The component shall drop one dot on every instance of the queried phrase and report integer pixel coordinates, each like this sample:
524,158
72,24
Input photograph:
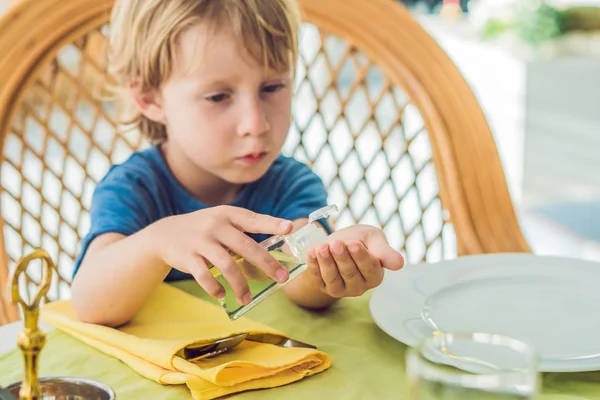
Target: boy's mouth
252,158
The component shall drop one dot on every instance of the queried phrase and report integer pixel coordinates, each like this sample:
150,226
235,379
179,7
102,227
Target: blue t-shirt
142,190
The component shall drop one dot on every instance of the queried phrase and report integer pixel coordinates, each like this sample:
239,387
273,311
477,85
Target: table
367,364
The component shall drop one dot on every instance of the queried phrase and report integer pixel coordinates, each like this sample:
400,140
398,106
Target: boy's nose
253,120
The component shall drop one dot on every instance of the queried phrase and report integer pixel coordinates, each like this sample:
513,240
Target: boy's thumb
379,247
252,222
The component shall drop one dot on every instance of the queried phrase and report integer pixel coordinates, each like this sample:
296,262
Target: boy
211,81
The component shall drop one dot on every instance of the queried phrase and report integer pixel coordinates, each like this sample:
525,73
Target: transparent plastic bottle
290,250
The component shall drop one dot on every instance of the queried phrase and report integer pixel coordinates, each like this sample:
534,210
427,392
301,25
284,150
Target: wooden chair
381,113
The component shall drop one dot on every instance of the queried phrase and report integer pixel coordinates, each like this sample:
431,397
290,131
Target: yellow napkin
153,342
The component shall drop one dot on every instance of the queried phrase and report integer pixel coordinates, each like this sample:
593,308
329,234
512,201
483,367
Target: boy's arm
116,277
119,272
118,267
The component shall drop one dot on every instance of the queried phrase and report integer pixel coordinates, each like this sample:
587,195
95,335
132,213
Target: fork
223,345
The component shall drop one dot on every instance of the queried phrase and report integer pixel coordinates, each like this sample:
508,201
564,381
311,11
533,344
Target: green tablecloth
367,364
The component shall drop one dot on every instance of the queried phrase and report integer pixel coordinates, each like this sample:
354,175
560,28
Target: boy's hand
352,261
192,242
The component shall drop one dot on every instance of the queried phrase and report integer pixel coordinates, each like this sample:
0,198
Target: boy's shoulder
286,178
289,190
143,166
287,168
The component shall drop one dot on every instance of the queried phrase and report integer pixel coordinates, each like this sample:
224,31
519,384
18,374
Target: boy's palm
352,261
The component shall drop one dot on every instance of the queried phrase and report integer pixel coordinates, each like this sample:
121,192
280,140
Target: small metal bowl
68,388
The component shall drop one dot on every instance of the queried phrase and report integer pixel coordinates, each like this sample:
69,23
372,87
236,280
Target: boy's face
224,113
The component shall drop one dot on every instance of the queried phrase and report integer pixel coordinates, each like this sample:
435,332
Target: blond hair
144,34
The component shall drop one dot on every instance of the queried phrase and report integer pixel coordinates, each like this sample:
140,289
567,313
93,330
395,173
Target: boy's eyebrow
199,84
202,83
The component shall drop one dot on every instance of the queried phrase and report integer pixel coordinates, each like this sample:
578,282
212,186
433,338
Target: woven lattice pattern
355,128
62,142
360,133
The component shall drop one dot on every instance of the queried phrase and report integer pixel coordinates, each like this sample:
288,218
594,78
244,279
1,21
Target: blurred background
533,65
535,68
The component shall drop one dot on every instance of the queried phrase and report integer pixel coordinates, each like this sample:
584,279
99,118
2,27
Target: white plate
552,303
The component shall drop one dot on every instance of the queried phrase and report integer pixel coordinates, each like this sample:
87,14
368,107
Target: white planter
544,113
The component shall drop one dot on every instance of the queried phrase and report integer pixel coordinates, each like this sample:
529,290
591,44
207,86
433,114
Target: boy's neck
202,185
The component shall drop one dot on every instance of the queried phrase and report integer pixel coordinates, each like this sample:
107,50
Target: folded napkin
153,344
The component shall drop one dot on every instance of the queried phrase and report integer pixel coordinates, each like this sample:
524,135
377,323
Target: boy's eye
217,98
273,88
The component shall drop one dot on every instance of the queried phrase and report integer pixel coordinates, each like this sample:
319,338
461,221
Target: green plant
537,23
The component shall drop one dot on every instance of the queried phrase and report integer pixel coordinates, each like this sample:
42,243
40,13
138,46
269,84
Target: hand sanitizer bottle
290,250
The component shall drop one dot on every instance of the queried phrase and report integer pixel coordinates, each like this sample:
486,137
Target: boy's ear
149,103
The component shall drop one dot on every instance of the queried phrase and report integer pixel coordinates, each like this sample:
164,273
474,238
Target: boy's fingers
224,262
198,267
313,268
244,246
369,266
353,279
329,271
249,221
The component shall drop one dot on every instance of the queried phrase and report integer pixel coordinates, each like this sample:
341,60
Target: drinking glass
465,366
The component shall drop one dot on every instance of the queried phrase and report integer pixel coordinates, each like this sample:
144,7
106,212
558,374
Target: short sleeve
301,192
120,204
